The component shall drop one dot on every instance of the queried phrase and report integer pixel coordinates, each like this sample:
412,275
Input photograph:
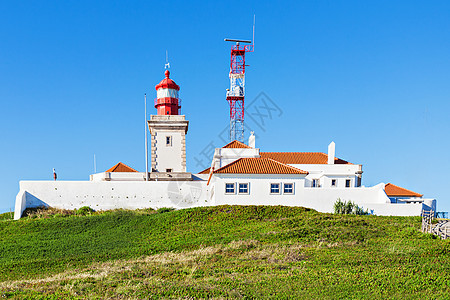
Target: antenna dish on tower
237,41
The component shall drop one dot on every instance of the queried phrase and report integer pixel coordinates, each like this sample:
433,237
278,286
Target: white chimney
331,153
251,140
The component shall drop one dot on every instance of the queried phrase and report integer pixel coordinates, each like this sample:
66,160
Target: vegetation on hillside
6,216
348,207
221,252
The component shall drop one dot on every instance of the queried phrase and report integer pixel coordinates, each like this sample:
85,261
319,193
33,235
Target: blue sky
372,76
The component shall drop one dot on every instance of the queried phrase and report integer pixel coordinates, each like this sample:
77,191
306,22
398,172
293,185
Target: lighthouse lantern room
167,101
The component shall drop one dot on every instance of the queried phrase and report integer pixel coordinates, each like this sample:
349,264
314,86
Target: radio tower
236,93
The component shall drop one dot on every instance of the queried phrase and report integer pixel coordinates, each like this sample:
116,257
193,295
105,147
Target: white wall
396,209
326,173
21,203
335,169
104,195
121,176
259,188
374,199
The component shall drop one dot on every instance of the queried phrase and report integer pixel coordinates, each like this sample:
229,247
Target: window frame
315,180
279,188
292,188
348,183
239,188
168,141
234,188
333,182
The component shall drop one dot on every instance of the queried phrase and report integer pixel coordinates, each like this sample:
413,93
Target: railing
441,228
167,101
442,214
427,218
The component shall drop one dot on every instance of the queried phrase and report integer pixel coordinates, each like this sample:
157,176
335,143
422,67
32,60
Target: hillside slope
223,252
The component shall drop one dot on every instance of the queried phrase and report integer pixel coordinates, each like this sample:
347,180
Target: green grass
221,252
6,216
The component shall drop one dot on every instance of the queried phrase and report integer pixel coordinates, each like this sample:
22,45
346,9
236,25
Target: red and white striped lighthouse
167,101
168,131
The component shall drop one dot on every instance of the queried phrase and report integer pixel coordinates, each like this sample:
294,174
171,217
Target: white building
239,175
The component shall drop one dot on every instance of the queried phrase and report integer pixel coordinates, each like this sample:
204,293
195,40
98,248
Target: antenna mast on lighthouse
236,93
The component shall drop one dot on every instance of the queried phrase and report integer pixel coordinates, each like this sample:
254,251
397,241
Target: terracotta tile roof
393,190
205,171
302,158
236,144
258,166
121,167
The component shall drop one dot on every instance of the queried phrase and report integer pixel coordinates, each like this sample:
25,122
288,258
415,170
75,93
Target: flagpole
146,139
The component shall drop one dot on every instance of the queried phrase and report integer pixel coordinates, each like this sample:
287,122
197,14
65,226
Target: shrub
85,210
46,212
164,210
348,207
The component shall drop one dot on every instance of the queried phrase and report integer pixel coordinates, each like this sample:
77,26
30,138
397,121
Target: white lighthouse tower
168,134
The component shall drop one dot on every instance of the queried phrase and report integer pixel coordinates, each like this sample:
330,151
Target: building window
229,188
274,188
243,188
168,170
333,182
168,141
315,183
348,182
288,188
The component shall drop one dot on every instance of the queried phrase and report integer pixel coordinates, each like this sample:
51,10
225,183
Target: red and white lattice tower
236,93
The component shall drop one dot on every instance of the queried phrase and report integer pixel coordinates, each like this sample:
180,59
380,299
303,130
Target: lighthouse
168,129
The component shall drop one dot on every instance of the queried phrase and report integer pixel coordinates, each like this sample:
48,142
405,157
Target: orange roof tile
258,166
205,171
393,190
121,167
302,158
236,144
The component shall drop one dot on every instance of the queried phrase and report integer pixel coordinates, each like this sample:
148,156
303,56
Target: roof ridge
302,157
296,169
236,142
114,168
262,159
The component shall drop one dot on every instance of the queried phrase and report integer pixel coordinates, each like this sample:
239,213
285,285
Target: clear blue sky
373,76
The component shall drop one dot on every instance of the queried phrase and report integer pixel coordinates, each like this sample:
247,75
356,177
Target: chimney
251,139
331,153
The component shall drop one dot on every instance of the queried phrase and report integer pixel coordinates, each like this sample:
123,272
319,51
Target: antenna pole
253,40
146,138
95,165
167,64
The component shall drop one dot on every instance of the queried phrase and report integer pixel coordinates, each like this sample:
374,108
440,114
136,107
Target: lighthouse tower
168,133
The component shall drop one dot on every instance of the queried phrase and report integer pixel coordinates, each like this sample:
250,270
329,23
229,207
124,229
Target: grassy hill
221,252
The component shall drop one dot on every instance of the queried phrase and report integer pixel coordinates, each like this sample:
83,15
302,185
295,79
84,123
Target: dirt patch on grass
156,267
